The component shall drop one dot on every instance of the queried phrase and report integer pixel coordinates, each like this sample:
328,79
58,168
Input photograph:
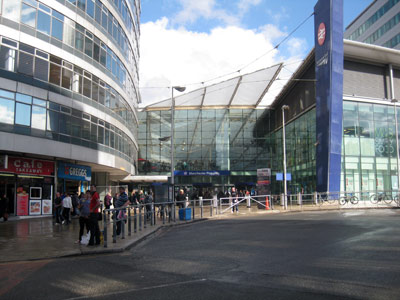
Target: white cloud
207,9
244,5
181,57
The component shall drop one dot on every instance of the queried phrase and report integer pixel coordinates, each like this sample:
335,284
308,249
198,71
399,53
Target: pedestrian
107,202
67,205
180,199
134,197
84,212
58,208
4,207
122,201
234,197
94,209
75,203
149,202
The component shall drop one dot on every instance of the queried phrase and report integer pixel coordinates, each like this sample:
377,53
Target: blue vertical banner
328,24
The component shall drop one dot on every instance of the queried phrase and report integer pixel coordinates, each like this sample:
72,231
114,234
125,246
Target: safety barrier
138,216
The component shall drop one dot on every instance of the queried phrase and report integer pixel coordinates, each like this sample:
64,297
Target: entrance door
7,187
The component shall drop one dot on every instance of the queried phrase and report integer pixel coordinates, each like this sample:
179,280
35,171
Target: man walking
122,201
94,209
67,205
57,208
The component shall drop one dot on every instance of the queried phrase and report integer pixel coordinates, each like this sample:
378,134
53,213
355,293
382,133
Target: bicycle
375,198
348,198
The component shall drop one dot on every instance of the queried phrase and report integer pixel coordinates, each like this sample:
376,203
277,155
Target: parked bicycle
381,197
348,198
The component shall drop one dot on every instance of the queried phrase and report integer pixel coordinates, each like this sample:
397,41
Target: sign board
328,26
28,166
74,172
263,181
202,173
279,176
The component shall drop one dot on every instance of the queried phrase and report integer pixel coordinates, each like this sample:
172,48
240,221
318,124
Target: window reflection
43,22
11,10
23,114
28,15
39,117
6,111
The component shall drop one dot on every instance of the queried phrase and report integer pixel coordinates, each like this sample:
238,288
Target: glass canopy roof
243,91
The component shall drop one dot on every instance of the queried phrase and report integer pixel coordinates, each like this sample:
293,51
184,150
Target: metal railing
135,218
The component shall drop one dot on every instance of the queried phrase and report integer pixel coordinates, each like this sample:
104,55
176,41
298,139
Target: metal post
144,216
194,206
152,214
123,227
129,222
134,219
284,153
172,143
114,226
201,207
140,217
211,208
105,229
163,213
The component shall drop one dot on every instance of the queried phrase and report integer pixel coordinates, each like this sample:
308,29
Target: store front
73,178
28,184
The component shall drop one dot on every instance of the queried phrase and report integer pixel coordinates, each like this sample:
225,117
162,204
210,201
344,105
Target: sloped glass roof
243,91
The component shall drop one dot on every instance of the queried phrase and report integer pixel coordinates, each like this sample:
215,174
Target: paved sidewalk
39,238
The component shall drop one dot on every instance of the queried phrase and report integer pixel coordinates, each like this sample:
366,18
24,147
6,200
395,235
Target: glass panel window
55,74
69,32
96,52
39,117
8,59
86,130
11,10
23,114
90,8
82,4
67,78
41,69
43,22
23,98
7,111
57,29
88,47
25,65
28,15
87,87
79,37
39,102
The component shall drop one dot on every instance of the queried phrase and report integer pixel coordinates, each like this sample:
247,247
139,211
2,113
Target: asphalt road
313,255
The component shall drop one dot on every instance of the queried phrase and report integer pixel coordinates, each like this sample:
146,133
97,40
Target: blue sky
194,40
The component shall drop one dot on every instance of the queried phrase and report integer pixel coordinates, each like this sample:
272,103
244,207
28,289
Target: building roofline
359,16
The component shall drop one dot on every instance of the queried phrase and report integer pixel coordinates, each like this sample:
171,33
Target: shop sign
74,172
202,173
29,166
22,203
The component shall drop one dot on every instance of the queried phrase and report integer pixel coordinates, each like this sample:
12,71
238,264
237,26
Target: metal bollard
299,199
145,216
315,198
163,213
152,214
140,217
105,230
194,206
129,222
134,219
123,228
211,209
114,226
201,207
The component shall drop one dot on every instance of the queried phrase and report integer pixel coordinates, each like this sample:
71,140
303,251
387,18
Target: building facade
68,96
378,24
220,148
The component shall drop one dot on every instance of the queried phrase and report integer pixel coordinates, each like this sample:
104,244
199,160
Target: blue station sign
202,173
74,172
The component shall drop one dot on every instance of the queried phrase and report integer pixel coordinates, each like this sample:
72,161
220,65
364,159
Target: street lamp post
284,107
179,89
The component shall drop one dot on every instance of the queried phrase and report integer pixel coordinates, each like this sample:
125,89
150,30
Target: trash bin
185,214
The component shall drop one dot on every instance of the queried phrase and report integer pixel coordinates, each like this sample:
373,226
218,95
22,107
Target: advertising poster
22,202
35,207
46,207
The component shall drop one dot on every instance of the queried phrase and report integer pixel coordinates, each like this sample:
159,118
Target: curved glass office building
68,97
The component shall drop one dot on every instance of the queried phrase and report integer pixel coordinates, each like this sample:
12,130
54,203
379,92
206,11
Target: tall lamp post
179,89
284,107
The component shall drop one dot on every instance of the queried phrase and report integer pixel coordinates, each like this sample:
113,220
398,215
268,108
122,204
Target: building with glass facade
224,146
68,96
378,24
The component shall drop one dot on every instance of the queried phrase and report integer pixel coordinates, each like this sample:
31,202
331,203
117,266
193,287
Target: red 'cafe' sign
29,166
